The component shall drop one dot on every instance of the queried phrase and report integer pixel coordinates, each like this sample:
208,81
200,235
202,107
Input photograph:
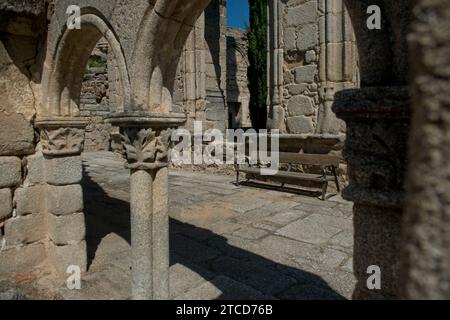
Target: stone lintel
143,119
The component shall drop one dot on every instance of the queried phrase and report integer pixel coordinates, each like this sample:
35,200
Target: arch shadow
265,278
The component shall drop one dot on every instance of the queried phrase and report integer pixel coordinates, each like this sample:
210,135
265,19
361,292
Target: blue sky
238,13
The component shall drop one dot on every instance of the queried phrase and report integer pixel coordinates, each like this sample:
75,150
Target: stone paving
226,242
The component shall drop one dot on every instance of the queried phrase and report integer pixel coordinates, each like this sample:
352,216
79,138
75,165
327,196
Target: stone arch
162,34
67,62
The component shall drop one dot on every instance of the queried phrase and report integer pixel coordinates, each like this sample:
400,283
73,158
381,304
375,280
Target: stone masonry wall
319,59
238,94
215,38
22,217
200,86
95,102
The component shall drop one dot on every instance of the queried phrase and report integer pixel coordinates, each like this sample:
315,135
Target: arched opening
163,33
62,119
63,80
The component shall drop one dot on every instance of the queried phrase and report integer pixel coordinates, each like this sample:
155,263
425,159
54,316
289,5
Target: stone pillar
337,62
426,225
146,139
327,122
62,143
377,129
274,66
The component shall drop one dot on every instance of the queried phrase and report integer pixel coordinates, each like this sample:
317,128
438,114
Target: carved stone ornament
62,141
146,149
62,136
375,150
146,137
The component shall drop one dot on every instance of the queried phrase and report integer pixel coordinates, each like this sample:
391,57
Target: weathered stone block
66,230
22,259
63,170
300,106
307,37
305,74
16,135
30,200
310,56
65,200
35,170
300,125
302,14
215,114
5,204
290,37
10,170
25,230
71,255
297,89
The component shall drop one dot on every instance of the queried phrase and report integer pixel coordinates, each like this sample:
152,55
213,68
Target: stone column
62,142
327,122
146,139
377,129
426,225
274,66
337,62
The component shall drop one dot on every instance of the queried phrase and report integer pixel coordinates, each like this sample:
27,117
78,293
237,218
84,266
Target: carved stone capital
62,141
146,137
146,149
62,137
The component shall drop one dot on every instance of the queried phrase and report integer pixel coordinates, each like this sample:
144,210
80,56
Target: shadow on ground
106,214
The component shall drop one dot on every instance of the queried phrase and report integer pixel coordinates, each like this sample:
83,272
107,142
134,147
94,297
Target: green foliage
95,62
257,55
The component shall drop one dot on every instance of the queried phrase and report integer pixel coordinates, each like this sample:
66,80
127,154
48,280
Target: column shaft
161,235
377,129
141,201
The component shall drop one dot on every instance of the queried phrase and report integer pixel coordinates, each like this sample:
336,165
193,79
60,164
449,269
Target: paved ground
226,242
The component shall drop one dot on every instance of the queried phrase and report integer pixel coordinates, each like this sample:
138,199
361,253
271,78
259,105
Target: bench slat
309,159
286,174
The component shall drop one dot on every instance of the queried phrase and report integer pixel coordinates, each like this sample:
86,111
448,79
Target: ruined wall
318,57
215,37
95,101
200,86
238,93
22,217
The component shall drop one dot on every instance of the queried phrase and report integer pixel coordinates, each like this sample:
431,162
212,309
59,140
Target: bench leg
324,190
338,187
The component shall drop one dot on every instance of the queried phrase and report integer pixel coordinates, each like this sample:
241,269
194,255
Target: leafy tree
257,55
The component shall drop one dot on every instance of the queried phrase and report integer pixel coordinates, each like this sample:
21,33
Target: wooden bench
323,161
